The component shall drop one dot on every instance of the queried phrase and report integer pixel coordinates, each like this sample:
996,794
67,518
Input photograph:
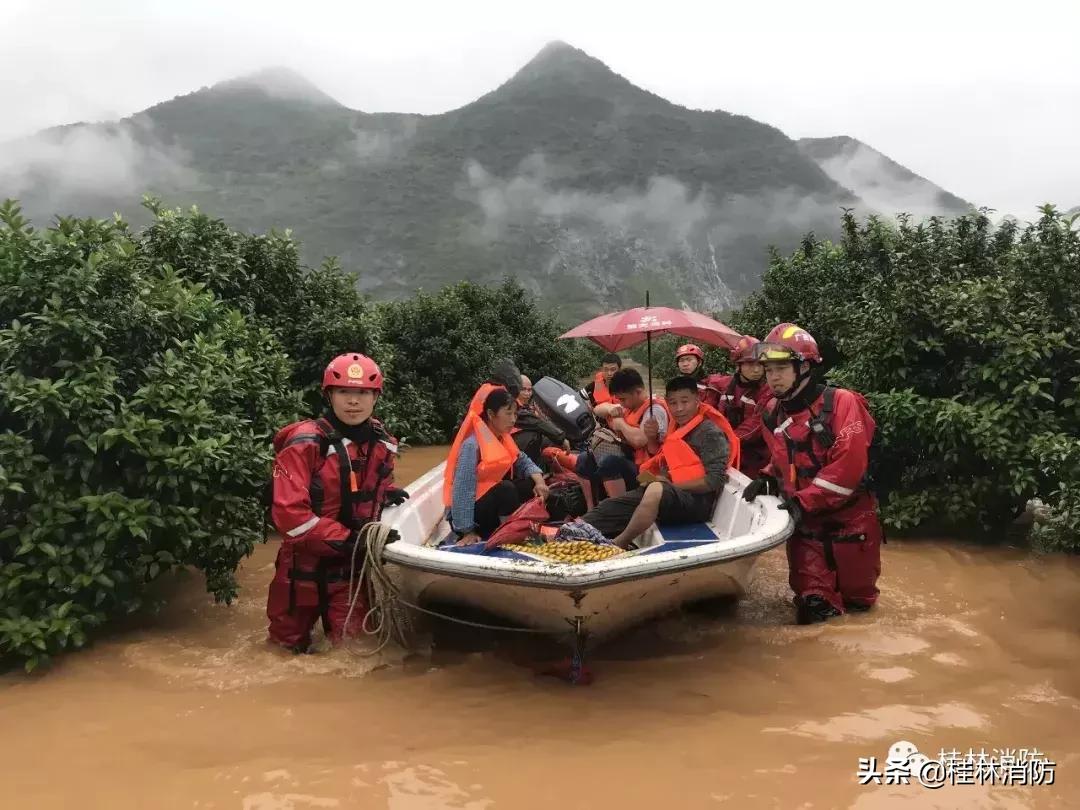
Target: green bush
963,335
135,415
315,313
433,349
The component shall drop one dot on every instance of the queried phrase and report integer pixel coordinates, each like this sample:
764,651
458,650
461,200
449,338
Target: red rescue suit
835,551
320,497
742,403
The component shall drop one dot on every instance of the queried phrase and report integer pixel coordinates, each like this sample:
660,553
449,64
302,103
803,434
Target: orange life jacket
678,456
497,454
641,454
600,392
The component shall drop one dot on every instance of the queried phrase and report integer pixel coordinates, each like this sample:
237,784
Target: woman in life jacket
819,439
487,476
690,466
331,476
740,397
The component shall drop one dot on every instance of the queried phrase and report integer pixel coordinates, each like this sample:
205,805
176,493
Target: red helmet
353,371
744,349
788,342
690,348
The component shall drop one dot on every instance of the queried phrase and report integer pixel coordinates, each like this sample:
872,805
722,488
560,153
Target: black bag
566,501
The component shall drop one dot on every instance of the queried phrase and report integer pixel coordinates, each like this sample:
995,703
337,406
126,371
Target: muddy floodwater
969,648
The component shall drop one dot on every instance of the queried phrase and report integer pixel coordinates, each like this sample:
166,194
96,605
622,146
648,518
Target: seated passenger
691,469
626,417
533,432
487,477
596,392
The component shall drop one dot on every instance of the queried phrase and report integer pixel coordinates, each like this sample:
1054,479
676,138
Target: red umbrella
621,330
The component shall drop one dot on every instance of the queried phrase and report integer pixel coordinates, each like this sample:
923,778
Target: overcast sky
982,98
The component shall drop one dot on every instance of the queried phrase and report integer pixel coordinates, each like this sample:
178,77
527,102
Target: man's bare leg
644,515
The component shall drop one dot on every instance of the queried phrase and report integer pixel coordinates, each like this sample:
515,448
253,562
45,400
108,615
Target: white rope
385,618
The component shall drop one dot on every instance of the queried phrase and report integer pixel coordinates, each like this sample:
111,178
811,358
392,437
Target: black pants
612,515
499,502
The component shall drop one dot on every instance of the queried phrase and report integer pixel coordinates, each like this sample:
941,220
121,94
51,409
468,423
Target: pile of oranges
568,551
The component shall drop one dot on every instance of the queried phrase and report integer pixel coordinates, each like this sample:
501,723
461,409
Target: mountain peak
560,60
277,82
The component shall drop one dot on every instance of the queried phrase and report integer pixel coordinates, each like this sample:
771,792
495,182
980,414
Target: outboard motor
564,406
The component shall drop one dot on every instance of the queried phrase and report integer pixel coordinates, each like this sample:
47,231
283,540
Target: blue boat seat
687,531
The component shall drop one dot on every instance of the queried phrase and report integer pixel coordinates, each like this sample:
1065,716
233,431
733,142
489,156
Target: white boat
593,601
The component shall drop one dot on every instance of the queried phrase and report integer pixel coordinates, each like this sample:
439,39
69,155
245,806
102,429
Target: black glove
792,505
395,496
346,546
763,485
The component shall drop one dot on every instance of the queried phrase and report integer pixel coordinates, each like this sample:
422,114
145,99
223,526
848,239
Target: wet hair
683,382
625,380
496,401
612,358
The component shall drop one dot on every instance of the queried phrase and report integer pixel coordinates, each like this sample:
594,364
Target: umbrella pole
648,351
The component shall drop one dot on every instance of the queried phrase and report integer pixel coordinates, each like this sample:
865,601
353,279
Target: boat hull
601,612
675,565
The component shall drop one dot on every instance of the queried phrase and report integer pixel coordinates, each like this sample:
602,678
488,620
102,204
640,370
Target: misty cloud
662,231
378,144
91,159
880,184
664,210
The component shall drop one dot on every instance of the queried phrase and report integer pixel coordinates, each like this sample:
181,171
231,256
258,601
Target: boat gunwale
573,580
561,576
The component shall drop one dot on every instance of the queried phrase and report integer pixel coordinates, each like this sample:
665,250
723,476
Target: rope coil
385,618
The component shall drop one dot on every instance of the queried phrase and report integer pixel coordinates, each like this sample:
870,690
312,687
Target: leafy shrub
963,336
135,416
433,349
316,314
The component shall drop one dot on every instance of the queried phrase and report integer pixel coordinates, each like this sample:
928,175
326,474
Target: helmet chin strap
801,379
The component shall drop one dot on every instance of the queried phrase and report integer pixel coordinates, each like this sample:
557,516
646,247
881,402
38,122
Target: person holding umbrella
690,467
622,330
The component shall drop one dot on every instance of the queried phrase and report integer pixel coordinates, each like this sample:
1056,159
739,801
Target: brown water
970,647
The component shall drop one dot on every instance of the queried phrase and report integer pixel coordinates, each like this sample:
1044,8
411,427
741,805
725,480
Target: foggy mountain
586,188
883,185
